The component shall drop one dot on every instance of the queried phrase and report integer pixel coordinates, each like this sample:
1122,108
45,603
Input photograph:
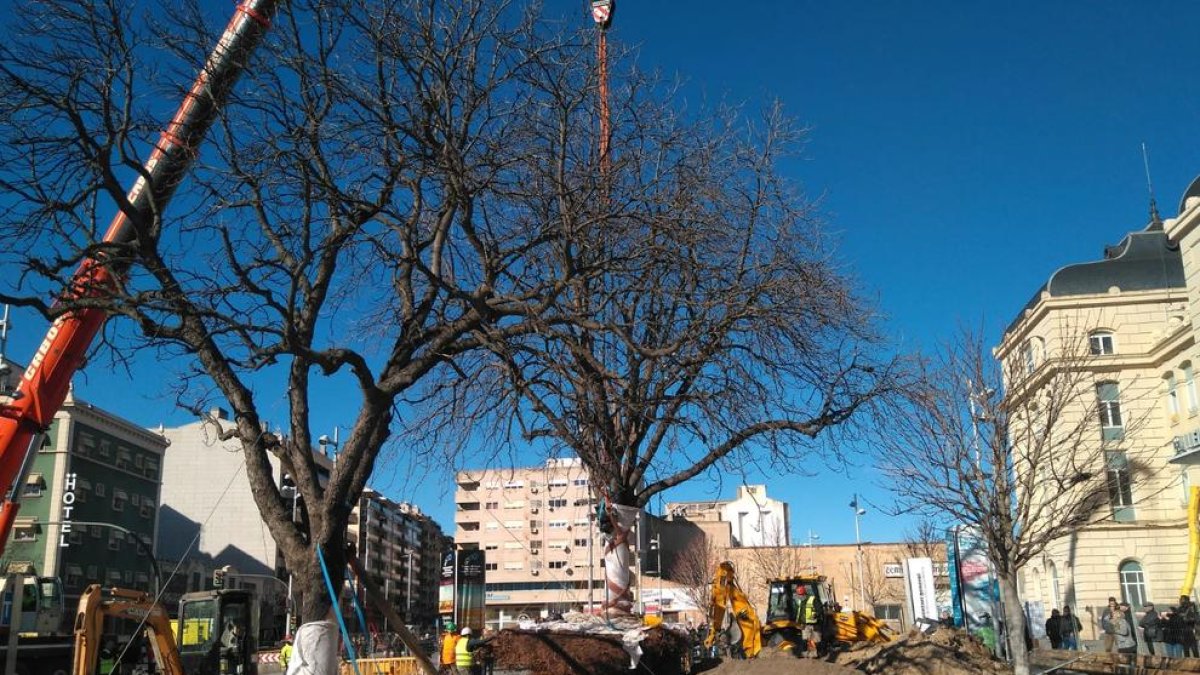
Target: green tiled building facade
90,504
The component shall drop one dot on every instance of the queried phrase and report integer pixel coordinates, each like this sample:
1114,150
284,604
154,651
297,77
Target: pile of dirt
772,661
946,652
547,653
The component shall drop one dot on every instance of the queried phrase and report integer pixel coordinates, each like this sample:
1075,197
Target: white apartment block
1129,314
754,518
535,525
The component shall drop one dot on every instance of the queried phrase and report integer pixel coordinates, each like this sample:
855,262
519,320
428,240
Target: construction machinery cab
786,596
42,610
790,601
217,632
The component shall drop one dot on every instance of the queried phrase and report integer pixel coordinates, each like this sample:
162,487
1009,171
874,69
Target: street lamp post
812,538
408,590
656,546
862,593
287,622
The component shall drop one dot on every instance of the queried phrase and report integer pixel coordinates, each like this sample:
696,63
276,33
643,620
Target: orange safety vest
448,649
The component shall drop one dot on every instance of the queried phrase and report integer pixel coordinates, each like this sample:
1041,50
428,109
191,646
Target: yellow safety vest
285,655
808,610
462,657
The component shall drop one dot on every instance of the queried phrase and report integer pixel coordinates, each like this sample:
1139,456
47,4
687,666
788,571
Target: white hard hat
466,631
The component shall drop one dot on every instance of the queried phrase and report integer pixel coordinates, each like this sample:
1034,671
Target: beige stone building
1129,316
881,592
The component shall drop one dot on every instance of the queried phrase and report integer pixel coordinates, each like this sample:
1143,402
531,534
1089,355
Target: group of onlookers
1173,630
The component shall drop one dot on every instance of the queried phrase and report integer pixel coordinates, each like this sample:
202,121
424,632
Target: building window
580,482
1030,353
1120,487
491,506
1172,389
124,459
1108,395
887,612
514,485
520,504
25,532
147,508
114,540
1055,594
491,547
1133,583
489,567
558,482
96,530
151,469
1189,384
34,484
581,542
556,524
514,524
1100,343
556,503
99,489
557,564
119,499
514,565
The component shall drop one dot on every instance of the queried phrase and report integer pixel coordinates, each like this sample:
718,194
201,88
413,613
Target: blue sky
962,153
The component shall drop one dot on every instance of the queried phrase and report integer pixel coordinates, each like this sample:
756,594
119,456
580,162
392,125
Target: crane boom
44,384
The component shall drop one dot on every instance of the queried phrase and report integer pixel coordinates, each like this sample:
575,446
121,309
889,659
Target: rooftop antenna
1155,219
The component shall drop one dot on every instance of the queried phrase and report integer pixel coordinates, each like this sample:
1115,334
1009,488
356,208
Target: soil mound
945,652
548,653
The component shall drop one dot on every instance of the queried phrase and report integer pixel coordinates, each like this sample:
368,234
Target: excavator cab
216,632
790,597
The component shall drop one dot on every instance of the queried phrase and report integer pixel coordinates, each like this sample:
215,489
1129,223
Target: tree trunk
308,582
1014,620
618,554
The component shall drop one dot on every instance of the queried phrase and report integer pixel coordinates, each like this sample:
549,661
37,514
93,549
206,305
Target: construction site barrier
396,665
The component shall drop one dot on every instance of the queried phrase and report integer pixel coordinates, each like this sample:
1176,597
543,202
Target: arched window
1133,583
1100,343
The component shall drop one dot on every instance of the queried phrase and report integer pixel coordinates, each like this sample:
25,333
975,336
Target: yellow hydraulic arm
97,603
727,594
1189,577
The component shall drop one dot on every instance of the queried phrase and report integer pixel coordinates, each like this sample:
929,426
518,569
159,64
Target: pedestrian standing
1071,627
1151,631
449,640
1054,629
1187,612
1172,625
1106,625
1122,633
1130,619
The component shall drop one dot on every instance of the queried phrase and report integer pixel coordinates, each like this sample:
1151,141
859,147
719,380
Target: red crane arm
43,387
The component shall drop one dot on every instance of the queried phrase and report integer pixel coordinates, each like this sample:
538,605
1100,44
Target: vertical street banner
918,581
976,583
956,608
471,589
446,587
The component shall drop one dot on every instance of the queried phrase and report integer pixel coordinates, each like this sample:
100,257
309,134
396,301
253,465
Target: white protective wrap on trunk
618,597
315,649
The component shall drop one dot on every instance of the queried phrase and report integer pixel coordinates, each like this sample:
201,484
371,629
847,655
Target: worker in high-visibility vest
464,659
449,640
808,615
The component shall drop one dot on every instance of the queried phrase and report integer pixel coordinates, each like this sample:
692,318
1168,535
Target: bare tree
722,331
694,568
925,540
1019,469
383,179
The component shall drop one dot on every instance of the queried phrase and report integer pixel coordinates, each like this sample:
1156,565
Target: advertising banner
973,584
471,589
918,577
446,588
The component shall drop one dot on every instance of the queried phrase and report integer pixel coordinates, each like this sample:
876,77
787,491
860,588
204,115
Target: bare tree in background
723,333
382,191
694,569
1019,470
925,540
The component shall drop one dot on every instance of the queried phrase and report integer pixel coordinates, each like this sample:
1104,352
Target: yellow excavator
802,612
728,598
798,602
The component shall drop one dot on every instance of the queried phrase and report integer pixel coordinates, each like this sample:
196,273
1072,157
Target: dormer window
1100,343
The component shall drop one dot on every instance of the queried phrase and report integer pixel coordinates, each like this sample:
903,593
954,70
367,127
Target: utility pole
812,538
862,593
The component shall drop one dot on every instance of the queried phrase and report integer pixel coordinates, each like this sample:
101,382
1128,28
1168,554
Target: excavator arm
727,596
97,603
43,387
